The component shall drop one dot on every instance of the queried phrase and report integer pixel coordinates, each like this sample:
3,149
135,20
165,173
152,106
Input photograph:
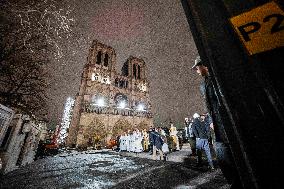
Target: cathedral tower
109,103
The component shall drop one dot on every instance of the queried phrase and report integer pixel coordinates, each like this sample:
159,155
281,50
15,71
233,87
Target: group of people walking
155,140
200,130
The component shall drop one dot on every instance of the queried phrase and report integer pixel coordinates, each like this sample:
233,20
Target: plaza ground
110,169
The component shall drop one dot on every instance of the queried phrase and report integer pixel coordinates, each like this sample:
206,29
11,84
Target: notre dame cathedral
109,103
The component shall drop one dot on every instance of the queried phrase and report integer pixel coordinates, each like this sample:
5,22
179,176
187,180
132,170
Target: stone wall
106,126
23,142
6,115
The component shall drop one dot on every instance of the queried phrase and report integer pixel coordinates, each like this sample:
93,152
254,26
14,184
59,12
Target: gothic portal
109,103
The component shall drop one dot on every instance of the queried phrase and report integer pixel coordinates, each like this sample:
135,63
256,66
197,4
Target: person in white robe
165,147
127,141
138,141
131,141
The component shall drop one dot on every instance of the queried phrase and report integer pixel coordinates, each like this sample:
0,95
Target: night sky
155,30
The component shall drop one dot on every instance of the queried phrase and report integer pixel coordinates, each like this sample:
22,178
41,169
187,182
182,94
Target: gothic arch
121,126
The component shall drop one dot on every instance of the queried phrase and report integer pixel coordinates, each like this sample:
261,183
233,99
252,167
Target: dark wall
249,86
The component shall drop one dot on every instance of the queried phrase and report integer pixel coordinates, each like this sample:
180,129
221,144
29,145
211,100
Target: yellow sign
261,29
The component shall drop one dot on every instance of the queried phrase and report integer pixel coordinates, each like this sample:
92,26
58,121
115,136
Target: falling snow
156,31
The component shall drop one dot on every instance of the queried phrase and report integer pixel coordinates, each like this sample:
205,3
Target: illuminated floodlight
122,105
100,102
140,107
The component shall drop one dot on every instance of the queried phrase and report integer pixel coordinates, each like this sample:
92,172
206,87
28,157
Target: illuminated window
99,100
95,76
140,106
121,101
106,80
143,87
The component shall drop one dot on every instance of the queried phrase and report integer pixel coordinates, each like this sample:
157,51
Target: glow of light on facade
100,102
95,77
107,81
140,107
143,87
122,105
66,119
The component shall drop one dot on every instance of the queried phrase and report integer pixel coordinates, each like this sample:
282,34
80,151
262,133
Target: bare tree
30,32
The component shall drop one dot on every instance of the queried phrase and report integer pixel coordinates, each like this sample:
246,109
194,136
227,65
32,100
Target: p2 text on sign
261,29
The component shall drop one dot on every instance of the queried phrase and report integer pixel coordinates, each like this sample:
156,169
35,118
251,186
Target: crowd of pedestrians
156,141
205,133
199,132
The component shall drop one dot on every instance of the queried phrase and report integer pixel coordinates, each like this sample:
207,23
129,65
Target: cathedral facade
109,103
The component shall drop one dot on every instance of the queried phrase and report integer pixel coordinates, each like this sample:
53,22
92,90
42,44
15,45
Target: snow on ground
107,169
95,161
90,169
104,162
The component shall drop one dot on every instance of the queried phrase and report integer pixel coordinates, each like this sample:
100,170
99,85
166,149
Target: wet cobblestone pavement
93,169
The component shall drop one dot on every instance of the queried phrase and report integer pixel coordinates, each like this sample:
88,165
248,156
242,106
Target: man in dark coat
220,120
157,144
202,135
117,143
151,139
